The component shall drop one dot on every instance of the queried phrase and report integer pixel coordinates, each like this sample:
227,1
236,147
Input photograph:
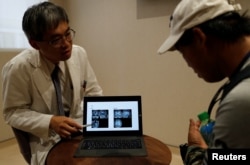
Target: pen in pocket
84,85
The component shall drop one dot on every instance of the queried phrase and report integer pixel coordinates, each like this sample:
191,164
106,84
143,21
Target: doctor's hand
64,126
194,136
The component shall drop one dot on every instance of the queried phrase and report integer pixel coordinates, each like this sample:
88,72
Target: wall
121,38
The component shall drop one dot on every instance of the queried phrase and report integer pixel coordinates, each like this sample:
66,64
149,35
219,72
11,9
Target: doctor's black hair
40,18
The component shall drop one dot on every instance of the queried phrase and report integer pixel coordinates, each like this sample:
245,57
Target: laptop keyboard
111,144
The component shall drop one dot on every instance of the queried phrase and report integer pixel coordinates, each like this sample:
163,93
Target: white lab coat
27,92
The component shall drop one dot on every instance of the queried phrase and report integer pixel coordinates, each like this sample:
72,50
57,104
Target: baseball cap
190,13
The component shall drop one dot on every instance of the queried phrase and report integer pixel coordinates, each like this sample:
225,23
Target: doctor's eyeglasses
57,41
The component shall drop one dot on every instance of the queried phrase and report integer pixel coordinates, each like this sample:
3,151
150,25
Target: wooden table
62,154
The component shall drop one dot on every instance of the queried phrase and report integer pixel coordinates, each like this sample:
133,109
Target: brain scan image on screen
100,118
122,118
117,123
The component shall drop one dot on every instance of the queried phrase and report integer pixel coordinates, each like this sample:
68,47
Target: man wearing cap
214,39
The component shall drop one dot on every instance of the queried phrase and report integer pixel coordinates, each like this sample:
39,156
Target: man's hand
194,135
64,126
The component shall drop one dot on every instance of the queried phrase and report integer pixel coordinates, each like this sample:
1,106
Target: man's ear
199,36
33,43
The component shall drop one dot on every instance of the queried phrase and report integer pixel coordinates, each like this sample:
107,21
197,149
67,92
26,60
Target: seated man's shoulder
23,58
240,94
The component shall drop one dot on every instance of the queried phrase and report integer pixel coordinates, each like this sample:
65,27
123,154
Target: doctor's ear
33,43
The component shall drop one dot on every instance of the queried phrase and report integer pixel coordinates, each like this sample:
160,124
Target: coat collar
43,82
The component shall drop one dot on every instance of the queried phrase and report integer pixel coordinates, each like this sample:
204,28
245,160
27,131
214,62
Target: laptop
115,127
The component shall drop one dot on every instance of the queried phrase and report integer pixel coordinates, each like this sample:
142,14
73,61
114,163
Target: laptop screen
114,115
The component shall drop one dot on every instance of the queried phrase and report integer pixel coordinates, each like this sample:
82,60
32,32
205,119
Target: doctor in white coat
29,98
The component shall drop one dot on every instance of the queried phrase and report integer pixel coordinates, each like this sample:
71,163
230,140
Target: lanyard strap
237,77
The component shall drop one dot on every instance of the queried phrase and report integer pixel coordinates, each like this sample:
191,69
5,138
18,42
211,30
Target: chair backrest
23,143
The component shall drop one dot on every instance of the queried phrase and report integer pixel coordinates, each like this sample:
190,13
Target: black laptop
115,127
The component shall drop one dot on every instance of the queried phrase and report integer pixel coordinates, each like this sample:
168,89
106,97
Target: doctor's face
57,43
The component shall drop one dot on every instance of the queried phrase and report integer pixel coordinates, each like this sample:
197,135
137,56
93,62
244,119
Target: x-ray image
122,118
100,118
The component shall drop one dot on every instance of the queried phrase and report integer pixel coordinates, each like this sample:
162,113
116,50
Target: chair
23,143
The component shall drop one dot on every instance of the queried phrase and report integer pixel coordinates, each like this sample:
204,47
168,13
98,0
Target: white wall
121,38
